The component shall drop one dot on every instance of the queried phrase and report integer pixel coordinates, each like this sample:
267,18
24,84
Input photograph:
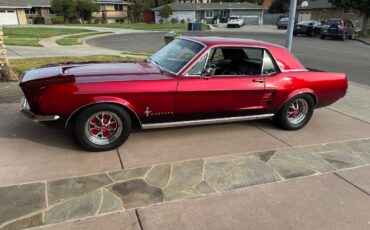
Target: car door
224,94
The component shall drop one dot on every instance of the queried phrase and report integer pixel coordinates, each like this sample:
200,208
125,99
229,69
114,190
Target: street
350,57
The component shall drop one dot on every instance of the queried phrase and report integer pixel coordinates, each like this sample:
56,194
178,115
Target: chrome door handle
258,80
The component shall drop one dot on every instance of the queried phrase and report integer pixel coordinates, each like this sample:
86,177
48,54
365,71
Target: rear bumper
27,112
327,34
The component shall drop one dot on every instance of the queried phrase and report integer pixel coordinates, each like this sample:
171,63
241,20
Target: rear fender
299,92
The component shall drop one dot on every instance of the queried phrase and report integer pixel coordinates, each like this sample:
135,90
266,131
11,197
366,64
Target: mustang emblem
147,112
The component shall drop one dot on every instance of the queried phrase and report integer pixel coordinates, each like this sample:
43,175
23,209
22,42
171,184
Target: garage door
8,17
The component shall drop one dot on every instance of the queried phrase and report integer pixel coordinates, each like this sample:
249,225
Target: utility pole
289,34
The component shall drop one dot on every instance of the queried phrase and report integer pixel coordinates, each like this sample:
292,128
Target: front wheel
102,127
295,113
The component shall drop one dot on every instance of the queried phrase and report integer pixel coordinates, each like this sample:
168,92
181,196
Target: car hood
97,72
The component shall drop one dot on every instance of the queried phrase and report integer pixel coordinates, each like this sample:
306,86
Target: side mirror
209,71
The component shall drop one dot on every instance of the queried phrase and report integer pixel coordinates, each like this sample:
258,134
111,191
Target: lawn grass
22,42
40,32
75,39
141,26
21,65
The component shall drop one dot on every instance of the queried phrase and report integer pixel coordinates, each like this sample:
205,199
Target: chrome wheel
103,128
297,111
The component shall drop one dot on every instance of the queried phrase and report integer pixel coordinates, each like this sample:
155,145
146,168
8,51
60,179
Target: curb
362,41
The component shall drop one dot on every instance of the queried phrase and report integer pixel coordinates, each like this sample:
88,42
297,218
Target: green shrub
57,20
39,20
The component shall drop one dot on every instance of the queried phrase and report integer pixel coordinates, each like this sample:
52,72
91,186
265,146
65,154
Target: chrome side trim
205,121
294,70
112,102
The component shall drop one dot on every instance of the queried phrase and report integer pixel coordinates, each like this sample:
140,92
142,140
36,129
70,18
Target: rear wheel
295,113
322,36
102,127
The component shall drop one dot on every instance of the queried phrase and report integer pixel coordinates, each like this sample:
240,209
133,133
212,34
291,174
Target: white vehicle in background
235,21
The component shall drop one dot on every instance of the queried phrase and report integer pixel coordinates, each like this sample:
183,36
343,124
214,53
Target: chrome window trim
196,62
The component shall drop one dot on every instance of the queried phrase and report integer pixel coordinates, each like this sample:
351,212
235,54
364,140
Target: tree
85,8
66,8
165,12
6,73
279,6
362,6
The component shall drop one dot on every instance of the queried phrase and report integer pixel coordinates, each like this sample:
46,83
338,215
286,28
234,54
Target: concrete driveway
32,152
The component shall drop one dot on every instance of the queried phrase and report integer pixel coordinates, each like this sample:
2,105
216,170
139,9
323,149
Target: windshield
233,18
284,19
174,56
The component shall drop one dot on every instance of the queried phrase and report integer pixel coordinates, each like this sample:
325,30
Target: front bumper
26,111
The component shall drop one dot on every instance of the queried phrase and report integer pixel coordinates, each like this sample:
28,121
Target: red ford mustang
190,81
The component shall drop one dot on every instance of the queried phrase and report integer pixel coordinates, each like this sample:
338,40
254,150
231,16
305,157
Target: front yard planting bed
141,26
21,65
22,42
40,32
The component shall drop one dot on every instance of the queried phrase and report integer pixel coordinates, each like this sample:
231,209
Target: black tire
295,34
120,114
322,37
281,117
343,37
310,33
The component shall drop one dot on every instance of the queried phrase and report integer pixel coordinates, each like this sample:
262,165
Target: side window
253,53
217,55
268,65
198,68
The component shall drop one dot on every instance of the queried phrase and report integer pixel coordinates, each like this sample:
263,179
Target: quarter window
268,65
197,69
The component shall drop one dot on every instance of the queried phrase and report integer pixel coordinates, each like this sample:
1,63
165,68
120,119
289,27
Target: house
321,10
111,11
22,12
191,12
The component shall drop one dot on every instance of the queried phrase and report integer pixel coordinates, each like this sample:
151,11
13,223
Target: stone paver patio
67,199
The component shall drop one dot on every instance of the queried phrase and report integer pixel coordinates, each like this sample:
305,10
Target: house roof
317,4
47,3
177,6
24,3
117,2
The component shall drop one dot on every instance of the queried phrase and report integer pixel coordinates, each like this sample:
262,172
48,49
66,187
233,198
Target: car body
282,23
190,81
309,28
338,28
235,21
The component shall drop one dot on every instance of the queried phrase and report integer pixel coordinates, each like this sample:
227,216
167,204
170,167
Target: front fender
104,99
